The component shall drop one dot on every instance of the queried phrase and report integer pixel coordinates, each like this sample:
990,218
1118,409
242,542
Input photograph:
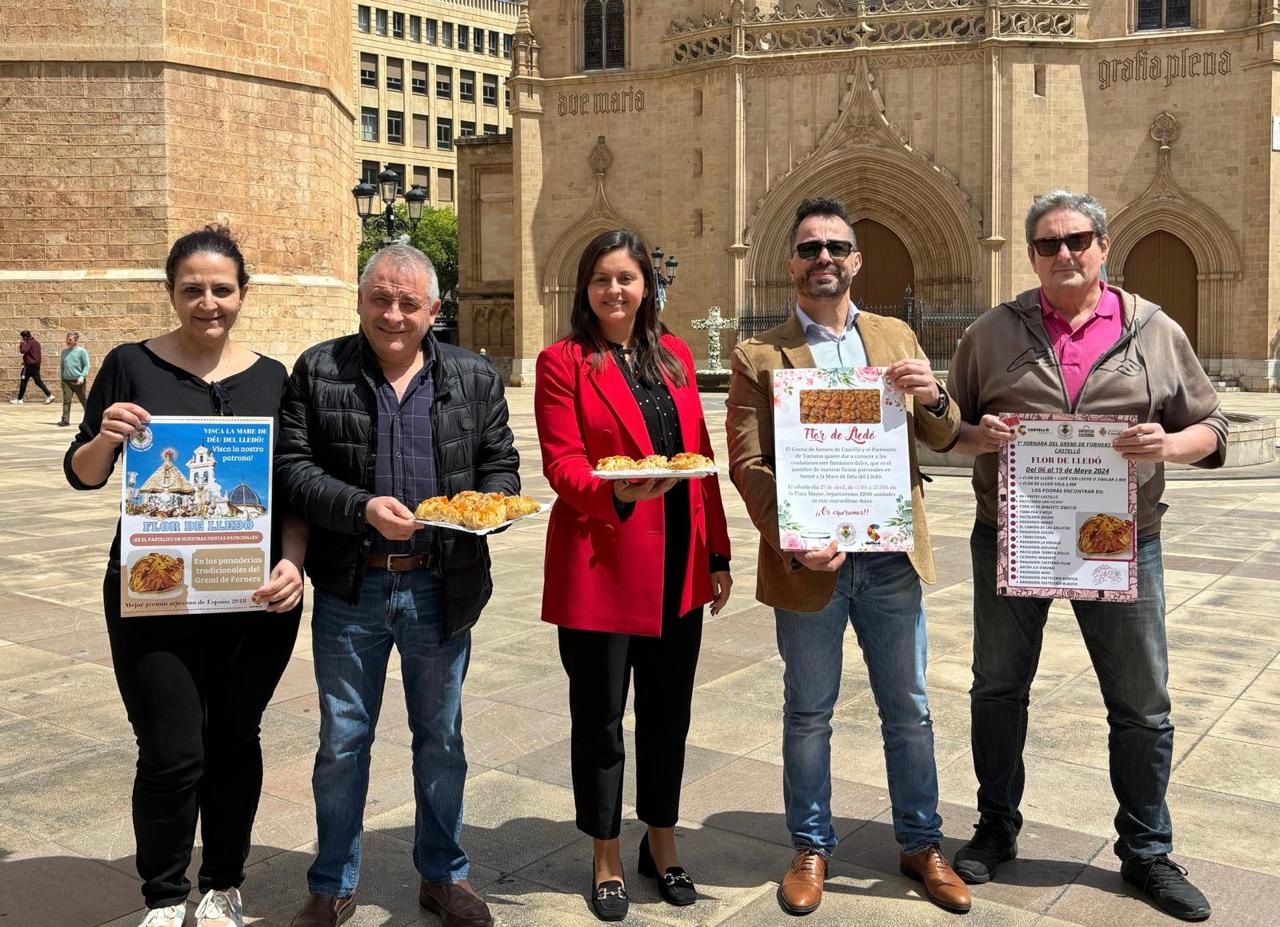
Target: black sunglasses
220,398
808,250
1075,242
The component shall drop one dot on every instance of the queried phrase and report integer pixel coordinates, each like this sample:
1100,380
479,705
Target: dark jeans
71,388
195,688
31,372
600,666
1126,643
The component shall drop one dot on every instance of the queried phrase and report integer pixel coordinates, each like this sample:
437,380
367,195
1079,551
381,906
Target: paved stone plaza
66,751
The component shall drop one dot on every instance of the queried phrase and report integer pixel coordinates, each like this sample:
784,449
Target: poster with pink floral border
1067,504
842,460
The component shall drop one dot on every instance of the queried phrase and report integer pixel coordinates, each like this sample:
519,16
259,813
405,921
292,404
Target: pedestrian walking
73,369
29,348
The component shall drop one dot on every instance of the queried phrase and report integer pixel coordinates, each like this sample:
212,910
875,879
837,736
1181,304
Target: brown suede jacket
781,582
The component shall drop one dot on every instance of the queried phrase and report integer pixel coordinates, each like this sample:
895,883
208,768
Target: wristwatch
941,405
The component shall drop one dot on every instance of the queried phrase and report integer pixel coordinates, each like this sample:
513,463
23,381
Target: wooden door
887,269
1163,269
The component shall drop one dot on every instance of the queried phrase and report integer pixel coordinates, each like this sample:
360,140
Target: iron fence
937,328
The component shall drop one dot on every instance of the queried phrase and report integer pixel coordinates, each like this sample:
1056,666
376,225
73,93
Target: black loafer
674,885
609,899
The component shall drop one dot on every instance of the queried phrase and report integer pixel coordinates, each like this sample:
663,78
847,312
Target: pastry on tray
517,506
687,460
617,462
437,508
476,510
653,462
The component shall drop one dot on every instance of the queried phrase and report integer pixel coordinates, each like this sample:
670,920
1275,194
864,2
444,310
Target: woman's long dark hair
651,360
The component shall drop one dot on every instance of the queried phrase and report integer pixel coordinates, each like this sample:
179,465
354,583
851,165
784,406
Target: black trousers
600,666
31,372
195,688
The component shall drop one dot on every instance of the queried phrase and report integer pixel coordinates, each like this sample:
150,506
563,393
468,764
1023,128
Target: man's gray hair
1082,203
75,335
403,255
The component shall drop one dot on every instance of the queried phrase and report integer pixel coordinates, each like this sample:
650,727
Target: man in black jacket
372,424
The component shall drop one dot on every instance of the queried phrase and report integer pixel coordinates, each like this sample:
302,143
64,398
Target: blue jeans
352,644
1126,642
880,594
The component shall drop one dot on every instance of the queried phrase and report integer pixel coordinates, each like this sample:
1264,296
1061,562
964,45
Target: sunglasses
221,399
1075,242
808,250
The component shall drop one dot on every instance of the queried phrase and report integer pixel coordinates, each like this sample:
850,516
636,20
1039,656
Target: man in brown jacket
817,594
1078,345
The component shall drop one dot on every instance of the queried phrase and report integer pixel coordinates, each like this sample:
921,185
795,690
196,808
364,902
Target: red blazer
602,573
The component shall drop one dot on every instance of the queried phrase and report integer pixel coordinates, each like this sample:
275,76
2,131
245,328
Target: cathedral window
604,34
1163,14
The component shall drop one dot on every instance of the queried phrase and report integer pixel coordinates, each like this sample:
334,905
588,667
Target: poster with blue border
195,515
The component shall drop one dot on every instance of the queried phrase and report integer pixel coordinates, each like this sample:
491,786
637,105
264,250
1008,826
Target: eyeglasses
808,250
221,399
1075,242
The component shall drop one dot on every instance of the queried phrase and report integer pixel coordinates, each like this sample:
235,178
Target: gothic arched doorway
1161,268
887,268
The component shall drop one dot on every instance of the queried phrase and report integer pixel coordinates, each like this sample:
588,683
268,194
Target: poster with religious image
195,515
1067,504
842,460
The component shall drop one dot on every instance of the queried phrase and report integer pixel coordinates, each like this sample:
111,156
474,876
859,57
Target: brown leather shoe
801,888
455,903
324,911
941,885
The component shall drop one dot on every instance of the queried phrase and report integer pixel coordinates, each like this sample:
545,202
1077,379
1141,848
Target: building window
419,77
368,70
395,74
604,42
422,178
444,133
467,86
1163,14
493,43
415,28
397,25
369,172
464,37
490,90
432,31
444,185
446,39
506,96
395,127
1038,80
380,22
466,129
506,45
369,123
398,170
363,14
490,129
477,41
420,130
444,82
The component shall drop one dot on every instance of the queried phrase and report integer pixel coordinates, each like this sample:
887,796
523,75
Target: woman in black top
194,686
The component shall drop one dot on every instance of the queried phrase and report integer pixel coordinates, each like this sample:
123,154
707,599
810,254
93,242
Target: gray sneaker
992,844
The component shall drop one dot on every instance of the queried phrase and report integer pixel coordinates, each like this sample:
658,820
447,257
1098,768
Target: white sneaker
165,917
220,909
16,402
48,399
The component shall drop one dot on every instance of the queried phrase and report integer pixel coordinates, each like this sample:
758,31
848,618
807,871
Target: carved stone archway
1165,206
867,162
559,274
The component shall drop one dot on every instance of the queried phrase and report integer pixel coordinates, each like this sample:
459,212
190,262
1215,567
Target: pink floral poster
842,460
1067,503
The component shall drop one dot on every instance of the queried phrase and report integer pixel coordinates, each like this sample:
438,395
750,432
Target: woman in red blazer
629,565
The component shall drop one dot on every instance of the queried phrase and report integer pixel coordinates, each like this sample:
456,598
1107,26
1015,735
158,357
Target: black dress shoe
609,899
674,885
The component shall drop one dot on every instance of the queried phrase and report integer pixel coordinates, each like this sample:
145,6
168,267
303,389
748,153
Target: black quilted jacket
325,463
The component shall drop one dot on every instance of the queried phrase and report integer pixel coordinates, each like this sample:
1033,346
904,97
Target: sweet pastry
437,508
617,462
687,460
482,513
653,462
1105,534
516,506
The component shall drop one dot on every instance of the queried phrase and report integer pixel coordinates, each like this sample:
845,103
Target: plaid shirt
404,459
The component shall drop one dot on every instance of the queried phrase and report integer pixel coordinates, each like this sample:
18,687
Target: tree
436,236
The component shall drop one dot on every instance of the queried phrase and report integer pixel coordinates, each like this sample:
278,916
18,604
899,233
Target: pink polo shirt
1078,350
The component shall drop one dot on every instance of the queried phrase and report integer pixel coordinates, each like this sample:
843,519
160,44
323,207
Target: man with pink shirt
1079,345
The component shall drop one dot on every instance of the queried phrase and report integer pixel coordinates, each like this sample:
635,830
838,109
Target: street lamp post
660,281
391,224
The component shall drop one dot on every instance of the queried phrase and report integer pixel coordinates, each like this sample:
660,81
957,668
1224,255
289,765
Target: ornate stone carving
526,53
713,325
1164,129
601,158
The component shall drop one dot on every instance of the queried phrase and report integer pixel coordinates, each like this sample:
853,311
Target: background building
123,126
702,124
429,72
